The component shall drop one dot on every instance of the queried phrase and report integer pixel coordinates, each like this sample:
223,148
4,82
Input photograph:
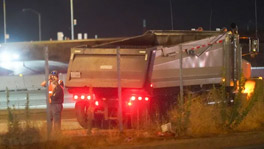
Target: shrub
17,135
198,118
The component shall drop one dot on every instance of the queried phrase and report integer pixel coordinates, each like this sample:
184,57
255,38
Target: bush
198,118
204,120
17,135
254,111
20,136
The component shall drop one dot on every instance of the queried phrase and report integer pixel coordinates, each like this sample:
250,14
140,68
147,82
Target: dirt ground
38,114
38,118
246,140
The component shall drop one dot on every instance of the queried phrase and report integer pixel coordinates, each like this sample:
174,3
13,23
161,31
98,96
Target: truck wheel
81,113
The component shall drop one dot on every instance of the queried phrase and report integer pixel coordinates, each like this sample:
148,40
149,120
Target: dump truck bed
97,67
203,62
154,57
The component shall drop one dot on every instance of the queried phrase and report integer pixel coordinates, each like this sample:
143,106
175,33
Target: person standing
54,76
57,98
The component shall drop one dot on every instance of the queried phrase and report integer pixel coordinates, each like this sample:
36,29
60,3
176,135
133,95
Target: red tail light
96,103
139,98
129,103
146,98
133,98
89,97
75,97
82,97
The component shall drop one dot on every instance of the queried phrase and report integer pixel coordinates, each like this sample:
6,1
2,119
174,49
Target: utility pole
144,23
39,23
4,12
211,16
39,19
171,12
256,19
72,27
210,23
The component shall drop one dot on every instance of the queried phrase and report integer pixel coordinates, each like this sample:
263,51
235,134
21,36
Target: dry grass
255,118
26,136
21,136
204,120
98,138
197,118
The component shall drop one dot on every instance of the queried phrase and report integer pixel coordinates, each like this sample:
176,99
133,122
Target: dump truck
153,66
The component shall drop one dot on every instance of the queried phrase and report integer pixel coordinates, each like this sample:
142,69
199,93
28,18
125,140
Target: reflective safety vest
50,91
51,88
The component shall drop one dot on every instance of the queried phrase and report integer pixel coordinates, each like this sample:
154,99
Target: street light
4,13
256,18
39,19
171,12
72,27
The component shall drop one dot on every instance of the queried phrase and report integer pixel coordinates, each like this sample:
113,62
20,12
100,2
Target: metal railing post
120,117
46,54
181,81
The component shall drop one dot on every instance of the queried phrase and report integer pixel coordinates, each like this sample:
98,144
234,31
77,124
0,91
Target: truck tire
81,108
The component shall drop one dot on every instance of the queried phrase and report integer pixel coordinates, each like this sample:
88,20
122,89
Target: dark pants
55,115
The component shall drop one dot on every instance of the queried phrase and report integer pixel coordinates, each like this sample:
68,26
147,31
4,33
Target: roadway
37,99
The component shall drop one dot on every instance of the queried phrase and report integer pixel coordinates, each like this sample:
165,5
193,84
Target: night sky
115,18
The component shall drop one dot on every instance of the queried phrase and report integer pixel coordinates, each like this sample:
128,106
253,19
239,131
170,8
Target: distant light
129,103
82,97
21,75
15,56
146,98
139,98
260,78
7,57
